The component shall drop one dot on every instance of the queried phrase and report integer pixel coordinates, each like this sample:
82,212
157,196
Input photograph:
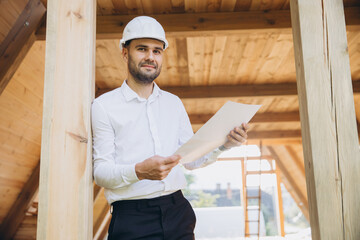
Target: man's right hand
156,167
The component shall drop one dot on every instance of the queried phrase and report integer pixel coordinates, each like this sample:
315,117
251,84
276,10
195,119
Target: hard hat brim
123,41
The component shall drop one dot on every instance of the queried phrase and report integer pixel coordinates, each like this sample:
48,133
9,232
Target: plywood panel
18,156
110,67
196,48
255,58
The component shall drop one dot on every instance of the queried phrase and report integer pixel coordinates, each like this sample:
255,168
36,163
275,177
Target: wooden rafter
210,24
298,196
101,214
104,228
275,137
17,212
19,40
279,204
249,90
267,157
295,134
299,162
267,117
99,223
97,191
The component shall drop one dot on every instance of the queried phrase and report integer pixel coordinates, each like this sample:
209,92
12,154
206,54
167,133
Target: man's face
144,59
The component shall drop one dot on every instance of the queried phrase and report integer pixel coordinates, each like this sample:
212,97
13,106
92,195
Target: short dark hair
127,43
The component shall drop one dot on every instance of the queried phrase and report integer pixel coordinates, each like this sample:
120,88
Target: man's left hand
237,136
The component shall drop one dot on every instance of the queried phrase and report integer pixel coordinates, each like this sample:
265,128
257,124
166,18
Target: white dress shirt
128,129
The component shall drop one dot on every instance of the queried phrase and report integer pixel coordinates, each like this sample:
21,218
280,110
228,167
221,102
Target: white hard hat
143,27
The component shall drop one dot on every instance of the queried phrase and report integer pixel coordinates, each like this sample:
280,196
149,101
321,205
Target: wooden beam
248,90
274,137
295,134
244,197
96,191
281,136
267,157
210,24
298,162
358,129
260,172
99,223
19,40
17,212
279,205
103,230
276,141
330,142
300,199
267,117
66,184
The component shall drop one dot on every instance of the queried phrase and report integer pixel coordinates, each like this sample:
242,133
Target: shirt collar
130,94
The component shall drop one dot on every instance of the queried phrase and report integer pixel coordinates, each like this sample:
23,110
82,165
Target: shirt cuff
129,174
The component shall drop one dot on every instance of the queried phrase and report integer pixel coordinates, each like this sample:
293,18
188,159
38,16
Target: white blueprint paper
213,133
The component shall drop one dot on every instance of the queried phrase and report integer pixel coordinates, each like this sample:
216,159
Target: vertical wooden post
327,115
65,197
279,204
244,197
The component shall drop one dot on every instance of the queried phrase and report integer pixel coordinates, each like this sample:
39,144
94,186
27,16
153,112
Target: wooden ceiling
219,50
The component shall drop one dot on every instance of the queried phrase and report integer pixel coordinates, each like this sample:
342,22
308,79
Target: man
136,130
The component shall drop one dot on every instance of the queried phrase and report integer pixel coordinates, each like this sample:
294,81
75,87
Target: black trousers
168,217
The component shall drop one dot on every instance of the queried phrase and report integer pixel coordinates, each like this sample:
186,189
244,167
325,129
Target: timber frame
297,137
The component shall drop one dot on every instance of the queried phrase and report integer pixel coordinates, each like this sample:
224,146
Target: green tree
190,179
204,200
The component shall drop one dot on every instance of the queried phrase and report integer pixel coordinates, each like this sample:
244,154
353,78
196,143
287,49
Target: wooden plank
104,228
279,204
244,196
295,196
9,12
99,223
96,192
296,134
331,146
27,229
19,40
296,160
274,137
17,212
266,117
358,130
209,24
227,5
260,172
267,157
66,184
246,90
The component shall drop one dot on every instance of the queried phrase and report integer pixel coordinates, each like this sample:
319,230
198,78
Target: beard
143,76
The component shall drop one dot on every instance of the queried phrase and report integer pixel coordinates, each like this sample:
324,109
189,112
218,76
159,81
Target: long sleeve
186,133
107,173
